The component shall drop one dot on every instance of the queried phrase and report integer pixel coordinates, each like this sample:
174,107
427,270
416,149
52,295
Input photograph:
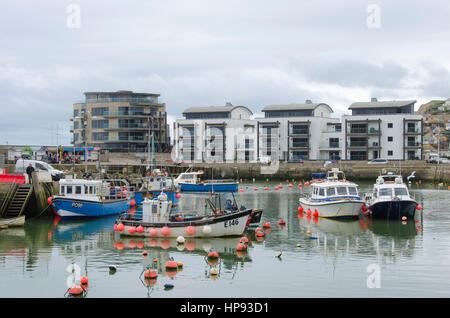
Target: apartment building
121,121
383,129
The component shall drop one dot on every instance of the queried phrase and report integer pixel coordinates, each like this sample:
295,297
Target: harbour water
341,260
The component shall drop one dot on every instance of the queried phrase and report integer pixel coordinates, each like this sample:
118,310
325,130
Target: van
22,164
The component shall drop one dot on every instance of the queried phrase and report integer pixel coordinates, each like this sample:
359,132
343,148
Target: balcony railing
329,145
122,99
134,114
357,144
413,130
298,132
299,145
413,144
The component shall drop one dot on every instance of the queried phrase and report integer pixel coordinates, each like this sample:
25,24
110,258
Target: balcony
134,114
374,144
357,145
329,145
413,145
126,127
298,132
412,131
131,100
127,139
298,145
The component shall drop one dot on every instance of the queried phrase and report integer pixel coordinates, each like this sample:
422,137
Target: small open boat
17,221
158,221
191,181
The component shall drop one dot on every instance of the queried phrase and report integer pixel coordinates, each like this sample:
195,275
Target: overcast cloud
202,53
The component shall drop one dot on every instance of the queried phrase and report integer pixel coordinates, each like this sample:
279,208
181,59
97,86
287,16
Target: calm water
37,260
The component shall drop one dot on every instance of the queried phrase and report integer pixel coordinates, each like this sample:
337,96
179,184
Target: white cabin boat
333,197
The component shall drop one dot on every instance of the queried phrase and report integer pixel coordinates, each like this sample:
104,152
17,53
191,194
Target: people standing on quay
30,170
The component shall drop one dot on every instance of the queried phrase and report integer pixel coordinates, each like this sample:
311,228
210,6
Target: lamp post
85,117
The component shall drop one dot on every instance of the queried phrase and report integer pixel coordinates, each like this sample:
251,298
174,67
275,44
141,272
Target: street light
85,117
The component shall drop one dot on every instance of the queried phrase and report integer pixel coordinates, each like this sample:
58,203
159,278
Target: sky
210,52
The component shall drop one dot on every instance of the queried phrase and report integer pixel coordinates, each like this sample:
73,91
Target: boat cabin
189,177
390,186
334,186
83,188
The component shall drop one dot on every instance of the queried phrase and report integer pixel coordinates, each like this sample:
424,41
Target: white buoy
180,239
207,229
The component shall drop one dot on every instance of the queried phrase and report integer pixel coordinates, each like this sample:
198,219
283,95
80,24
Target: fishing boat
159,221
153,184
332,197
390,198
191,181
89,198
11,222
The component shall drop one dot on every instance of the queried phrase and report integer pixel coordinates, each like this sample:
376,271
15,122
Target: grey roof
123,92
308,106
212,109
393,103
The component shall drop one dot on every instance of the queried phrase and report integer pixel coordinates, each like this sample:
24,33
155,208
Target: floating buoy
266,225
281,222
266,188
155,261
404,218
112,268
301,189
180,240
132,202
190,230
120,227
300,209
116,227
300,185
168,286
144,253
308,232
316,213
76,290
178,195
241,190
153,232
259,234
131,229
419,207
84,280
255,188
241,247
280,187
140,229
279,254
243,240
213,254
276,188
171,265
364,208
50,200
299,245
180,265
308,213
150,273
290,185
306,184
165,231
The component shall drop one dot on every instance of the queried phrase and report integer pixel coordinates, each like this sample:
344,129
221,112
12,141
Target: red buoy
281,222
266,224
364,208
241,247
213,254
255,188
308,213
50,200
84,280
300,185
153,231
131,229
190,230
140,229
315,213
178,195
171,265
419,207
165,231
120,227
241,190
76,290
116,227
290,185
266,188
243,240
144,253
300,209
259,234
132,202
151,274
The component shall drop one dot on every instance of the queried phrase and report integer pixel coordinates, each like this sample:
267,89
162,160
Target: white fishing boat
390,198
158,221
333,197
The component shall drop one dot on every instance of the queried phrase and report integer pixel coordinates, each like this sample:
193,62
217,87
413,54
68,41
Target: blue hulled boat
89,198
191,181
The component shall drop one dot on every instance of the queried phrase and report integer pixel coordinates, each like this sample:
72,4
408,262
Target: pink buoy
190,230
165,231
153,231
404,218
266,188
299,185
171,265
290,185
255,188
241,190
131,229
133,202
140,229
308,213
178,195
116,227
120,227
266,225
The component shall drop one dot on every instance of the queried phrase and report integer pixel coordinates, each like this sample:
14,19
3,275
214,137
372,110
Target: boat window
322,192
341,190
78,190
385,192
331,191
62,190
401,191
352,190
151,180
69,190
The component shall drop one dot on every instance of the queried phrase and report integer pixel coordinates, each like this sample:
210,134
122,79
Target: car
378,161
443,160
295,161
22,164
432,159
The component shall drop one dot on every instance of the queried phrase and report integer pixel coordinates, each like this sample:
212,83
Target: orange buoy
165,231
153,232
178,195
132,202
84,280
140,229
241,247
131,229
266,188
315,213
243,240
419,207
241,190
190,230
300,209
120,227
171,265
213,254
151,274
266,224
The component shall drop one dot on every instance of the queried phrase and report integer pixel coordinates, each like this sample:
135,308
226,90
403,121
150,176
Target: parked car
444,160
433,159
295,161
22,164
378,162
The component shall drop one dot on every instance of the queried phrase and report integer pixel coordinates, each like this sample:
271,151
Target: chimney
374,99
308,101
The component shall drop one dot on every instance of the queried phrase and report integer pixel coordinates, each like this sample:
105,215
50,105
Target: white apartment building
383,129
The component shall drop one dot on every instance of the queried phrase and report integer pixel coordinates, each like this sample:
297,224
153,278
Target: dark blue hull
393,209
210,187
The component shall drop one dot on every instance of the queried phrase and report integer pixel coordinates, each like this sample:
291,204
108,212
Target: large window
99,111
96,124
400,191
98,136
289,113
207,115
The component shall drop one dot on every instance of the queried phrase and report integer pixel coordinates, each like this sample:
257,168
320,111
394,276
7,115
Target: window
342,190
100,123
62,189
390,125
40,167
331,191
321,192
78,190
97,136
69,190
352,191
390,138
385,192
400,191
390,153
